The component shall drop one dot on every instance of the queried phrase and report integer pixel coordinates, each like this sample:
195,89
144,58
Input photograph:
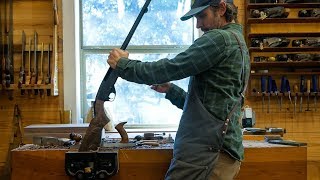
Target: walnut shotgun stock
92,138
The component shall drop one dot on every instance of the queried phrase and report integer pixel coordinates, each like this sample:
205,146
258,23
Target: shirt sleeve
176,96
203,54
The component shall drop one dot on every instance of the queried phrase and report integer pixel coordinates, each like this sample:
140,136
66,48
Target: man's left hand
115,55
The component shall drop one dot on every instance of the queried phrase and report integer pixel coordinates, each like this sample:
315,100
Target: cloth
216,61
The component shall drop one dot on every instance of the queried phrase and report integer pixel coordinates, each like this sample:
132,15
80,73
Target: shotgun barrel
92,138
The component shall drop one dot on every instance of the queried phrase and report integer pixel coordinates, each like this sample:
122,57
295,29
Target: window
160,34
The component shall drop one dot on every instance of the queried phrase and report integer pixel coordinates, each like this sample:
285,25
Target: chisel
308,94
269,89
263,90
302,82
288,90
275,90
315,90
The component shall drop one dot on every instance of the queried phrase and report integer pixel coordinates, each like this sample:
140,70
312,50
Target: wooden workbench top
262,161
246,143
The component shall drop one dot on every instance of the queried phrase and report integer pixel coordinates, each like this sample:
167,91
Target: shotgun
92,138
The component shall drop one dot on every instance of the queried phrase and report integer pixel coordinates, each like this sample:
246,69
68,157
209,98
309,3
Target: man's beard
205,29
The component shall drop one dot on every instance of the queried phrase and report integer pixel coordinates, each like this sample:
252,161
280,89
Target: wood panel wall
30,15
300,126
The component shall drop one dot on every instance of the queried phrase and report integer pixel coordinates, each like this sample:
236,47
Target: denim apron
199,138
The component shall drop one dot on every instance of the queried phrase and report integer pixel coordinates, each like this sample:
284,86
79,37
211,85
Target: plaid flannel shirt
215,61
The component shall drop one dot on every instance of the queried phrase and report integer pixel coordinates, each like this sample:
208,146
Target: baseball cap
200,5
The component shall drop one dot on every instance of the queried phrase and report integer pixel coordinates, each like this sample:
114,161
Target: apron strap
243,91
242,70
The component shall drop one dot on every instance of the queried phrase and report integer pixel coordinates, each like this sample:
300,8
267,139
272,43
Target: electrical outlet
248,119
247,113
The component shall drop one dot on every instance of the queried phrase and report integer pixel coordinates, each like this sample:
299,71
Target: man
208,142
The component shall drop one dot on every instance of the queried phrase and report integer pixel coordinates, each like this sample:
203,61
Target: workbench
262,161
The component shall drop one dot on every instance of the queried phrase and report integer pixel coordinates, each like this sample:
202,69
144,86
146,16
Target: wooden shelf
286,94
18,48
285,64
283,20
289,34
285,5
284,49
284,73
36,86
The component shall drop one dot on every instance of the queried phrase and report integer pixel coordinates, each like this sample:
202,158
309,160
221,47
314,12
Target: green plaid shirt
215,61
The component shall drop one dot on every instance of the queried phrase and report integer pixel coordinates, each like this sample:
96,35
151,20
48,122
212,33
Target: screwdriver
302,82
282,89
275,90
288,90
263,90
308,93
269,89
315,90
295,90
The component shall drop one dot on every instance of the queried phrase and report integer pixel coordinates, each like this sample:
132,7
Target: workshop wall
300,126
30,16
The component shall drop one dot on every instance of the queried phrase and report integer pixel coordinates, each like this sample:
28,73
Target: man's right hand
115,55
161,88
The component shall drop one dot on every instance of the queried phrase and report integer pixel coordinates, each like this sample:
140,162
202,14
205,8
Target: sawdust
30,147
161,146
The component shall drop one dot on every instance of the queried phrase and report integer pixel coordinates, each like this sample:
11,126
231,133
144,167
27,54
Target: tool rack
265,67
50,48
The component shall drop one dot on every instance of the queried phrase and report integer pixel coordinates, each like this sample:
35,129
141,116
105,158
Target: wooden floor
262,161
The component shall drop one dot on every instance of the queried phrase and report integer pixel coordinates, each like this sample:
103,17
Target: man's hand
161,88
115,55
